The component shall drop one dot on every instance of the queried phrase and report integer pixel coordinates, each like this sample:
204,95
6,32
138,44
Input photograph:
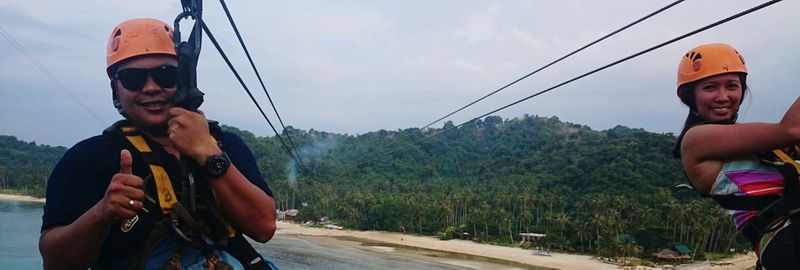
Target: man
109,193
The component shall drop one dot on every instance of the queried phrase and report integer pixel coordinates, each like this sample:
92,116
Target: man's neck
161,137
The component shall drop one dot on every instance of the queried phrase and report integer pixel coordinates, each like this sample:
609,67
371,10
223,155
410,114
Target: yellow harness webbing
785,158
166,194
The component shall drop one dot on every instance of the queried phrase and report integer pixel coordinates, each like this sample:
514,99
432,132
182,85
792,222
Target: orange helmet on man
138,37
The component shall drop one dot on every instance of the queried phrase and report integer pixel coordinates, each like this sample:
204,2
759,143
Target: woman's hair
686,93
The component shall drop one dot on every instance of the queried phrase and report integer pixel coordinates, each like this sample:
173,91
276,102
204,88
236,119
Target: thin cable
235,73
748,11
556,61
252,64
49,75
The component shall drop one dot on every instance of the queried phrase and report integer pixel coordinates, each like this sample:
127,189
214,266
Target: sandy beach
524,256
21,198
517,255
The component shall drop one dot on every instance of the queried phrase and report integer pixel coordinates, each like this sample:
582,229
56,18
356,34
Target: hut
530,238
674,254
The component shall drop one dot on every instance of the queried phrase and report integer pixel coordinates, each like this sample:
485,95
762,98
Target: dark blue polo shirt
81,177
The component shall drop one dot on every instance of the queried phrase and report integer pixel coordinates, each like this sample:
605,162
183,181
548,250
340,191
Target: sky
360,66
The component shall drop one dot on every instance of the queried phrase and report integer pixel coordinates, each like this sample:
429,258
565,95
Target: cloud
481,26
354,67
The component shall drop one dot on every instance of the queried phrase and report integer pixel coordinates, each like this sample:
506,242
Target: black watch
217,165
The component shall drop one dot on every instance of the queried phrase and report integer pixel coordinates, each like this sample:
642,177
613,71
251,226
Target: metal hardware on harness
187,95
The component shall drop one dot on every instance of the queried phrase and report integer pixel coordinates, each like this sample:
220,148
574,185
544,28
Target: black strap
160,231
747,203
246,254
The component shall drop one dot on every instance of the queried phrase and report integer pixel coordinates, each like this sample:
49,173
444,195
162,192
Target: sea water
20,223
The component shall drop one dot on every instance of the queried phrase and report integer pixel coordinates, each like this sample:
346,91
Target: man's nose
150,85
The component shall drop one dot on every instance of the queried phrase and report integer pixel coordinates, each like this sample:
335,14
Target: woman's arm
704,147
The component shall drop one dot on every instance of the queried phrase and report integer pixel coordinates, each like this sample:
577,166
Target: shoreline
510,254
373,239
20,198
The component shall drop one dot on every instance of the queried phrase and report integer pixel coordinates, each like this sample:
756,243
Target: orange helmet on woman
708,60
138,37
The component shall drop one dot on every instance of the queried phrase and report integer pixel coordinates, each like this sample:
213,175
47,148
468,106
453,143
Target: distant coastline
523,256
20,198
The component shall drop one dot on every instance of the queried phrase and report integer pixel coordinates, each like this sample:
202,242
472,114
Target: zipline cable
49,75
556,61
246,89
258,75
402,138
740,14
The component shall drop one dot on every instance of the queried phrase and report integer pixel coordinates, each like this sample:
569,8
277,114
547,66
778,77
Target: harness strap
247,255
160,231
747,203
786,207
166,194
174,211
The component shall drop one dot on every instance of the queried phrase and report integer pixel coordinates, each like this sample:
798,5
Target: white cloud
358,66
481,26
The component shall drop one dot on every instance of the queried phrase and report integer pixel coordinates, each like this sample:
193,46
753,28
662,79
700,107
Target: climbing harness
773,210
196,221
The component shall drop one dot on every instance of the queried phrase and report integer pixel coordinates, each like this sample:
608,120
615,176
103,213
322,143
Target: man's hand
189,134
124,196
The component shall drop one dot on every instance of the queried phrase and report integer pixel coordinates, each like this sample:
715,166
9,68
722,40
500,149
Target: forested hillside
24,166
609,193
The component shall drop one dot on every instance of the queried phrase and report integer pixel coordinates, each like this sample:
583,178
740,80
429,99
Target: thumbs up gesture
124,195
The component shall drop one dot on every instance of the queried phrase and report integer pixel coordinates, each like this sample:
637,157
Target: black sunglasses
134,79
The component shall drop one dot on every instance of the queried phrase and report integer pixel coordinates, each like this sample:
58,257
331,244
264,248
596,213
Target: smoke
291,172
321,144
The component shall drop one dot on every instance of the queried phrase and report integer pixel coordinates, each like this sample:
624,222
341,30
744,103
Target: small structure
287,215
682,250
530,238
675,253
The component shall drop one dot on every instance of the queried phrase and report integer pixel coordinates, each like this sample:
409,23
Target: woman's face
718,97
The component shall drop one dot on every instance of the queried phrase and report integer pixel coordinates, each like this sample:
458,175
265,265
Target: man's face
148,106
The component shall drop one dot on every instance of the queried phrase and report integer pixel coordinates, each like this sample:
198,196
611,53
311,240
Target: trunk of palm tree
510,233
719,235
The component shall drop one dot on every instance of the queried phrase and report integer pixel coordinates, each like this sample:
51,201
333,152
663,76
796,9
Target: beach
20,198
380,241
518,255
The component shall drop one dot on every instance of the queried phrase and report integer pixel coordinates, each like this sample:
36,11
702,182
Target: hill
606,192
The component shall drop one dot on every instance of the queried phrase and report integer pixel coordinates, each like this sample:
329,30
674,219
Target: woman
726,160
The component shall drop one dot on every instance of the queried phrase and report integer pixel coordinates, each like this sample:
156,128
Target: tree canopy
609,192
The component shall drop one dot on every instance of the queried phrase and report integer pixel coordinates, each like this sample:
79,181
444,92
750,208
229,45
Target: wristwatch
217,165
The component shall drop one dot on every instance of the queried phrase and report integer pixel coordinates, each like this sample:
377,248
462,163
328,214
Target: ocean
19,238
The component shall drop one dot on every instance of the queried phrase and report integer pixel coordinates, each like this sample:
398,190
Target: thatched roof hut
669,254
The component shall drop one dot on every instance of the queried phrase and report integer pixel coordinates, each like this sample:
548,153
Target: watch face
217,165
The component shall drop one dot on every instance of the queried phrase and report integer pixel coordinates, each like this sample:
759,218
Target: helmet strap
115,98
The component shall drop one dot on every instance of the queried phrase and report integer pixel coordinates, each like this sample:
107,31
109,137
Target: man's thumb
125,162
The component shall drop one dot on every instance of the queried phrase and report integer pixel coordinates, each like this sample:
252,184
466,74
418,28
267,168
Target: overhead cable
49,75
740,14
252,64
246,89
556,61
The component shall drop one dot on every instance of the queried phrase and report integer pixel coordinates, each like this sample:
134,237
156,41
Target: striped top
746,177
